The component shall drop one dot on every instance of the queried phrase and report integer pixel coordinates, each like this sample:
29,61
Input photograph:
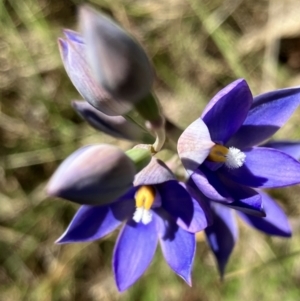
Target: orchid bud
115,126
119,63
95,175
72,51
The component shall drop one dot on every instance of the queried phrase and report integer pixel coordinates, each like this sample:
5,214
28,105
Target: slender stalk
160,139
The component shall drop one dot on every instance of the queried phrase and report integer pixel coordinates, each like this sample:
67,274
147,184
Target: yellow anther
145,197
218,153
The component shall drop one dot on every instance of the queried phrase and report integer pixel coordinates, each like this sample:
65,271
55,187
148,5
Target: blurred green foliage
197,47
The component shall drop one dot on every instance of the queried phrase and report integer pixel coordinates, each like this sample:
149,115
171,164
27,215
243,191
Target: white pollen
234,158
147,217
142,215
138,214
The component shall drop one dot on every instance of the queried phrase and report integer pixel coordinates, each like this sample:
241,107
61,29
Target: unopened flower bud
118,62
95,175
115,126
73,54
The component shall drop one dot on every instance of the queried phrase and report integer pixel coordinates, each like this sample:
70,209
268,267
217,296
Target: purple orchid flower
219,149
156,208
219,152
223,233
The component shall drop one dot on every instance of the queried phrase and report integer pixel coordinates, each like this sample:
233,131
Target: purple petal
270,111
115,126
203,206
252,206
227,111
177,201
178,246
222,235
275,222
265,167
133,252
210,185
94,222
292,148
118,62
155,172
194,145
93,175
90,223
245,198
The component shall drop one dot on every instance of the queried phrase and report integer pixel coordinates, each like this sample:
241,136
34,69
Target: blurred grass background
197,47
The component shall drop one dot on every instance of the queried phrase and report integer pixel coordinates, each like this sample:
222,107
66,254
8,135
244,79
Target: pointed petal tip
275,223
62,241
52,190
59,241
63,47
72,35
68,32
121,288
288,234
76,104
241,81
221,266
61,41
188,279
185,275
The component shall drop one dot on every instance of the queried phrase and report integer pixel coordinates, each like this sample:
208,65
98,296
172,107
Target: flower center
232,157
144,199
